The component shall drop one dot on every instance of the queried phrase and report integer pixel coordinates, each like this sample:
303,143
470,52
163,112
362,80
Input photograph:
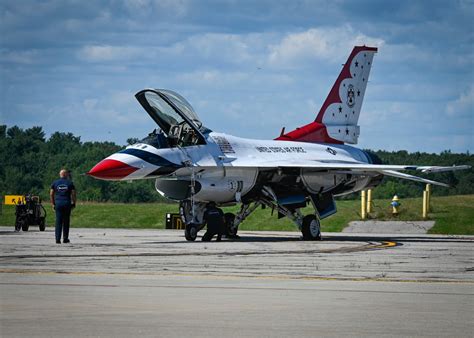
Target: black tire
229,224
18,225
190,232
42,224
311,228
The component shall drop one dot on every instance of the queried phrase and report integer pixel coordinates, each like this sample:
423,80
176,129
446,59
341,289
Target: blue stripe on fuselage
150,158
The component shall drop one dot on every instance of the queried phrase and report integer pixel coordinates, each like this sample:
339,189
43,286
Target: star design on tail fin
350,96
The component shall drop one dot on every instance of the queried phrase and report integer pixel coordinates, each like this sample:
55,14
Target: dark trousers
210,233
63,214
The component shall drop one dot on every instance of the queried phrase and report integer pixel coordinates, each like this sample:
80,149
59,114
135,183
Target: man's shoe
66,241
58,242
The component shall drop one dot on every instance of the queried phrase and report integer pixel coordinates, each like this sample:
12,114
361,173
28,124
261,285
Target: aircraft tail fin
337,119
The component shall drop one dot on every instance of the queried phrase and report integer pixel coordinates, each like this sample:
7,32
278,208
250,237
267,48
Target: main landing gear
231,227
309,225
311,228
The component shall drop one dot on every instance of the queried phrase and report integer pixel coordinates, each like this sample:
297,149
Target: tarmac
389,227
122,283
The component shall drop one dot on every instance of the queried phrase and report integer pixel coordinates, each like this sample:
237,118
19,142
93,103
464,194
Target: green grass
453,215
106,215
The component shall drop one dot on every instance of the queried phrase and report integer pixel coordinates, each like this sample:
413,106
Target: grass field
453,215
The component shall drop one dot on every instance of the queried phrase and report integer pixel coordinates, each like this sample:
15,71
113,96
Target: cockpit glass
175,117
165,112
182,105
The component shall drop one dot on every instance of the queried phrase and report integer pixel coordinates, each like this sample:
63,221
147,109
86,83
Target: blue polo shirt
62,191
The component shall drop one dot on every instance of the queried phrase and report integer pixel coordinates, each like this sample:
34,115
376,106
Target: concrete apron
389,227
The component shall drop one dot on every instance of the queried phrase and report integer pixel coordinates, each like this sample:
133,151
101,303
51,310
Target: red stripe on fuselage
312,132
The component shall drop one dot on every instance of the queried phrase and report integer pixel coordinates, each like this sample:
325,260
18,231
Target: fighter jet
312,164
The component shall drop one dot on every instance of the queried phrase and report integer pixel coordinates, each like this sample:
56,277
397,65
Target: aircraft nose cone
111,170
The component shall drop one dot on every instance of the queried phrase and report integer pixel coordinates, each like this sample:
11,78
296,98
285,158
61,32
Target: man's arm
73,197
51,197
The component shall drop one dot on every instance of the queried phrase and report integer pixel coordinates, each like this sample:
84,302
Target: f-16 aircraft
309,165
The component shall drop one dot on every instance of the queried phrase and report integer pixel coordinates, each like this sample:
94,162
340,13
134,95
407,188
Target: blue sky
248,67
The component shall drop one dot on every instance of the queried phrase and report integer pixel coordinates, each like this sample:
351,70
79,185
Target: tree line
29,162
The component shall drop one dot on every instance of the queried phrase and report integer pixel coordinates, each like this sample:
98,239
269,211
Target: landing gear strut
309,225
192,218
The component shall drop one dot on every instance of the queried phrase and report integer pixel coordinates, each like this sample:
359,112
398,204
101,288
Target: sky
247,67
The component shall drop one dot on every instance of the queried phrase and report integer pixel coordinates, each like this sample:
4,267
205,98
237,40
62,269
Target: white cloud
221,86
463,104
228,46
114,108
248,68
99,53
177,7
322,43
90,104
409,91
23,57
213,78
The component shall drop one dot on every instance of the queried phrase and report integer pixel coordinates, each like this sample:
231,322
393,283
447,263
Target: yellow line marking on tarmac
386,244
344,249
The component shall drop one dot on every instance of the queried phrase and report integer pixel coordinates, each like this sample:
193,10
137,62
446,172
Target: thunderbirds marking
311,164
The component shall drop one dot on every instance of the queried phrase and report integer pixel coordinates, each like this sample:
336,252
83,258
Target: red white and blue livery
309,165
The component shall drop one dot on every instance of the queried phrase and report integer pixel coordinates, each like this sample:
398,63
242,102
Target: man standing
63,199
214,218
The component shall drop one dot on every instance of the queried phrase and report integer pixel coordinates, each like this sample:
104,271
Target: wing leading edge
361,168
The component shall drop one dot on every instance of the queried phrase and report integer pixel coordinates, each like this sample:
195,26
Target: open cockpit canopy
176,117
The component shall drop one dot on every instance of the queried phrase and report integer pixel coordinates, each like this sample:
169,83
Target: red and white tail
336,122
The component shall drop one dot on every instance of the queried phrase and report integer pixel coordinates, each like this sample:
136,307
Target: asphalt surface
122,283
389,227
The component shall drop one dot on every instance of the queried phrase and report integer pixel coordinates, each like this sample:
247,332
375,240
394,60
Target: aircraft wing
354,166
413,178
361,168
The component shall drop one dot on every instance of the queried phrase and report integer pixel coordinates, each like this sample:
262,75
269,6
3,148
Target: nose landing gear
190,232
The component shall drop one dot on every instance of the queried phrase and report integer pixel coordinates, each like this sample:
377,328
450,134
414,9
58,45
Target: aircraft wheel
18,225
25,226
190,232
311,228
229,224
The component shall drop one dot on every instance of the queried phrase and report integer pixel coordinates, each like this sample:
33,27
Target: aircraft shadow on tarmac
242,239
332,238
335,237
269,239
